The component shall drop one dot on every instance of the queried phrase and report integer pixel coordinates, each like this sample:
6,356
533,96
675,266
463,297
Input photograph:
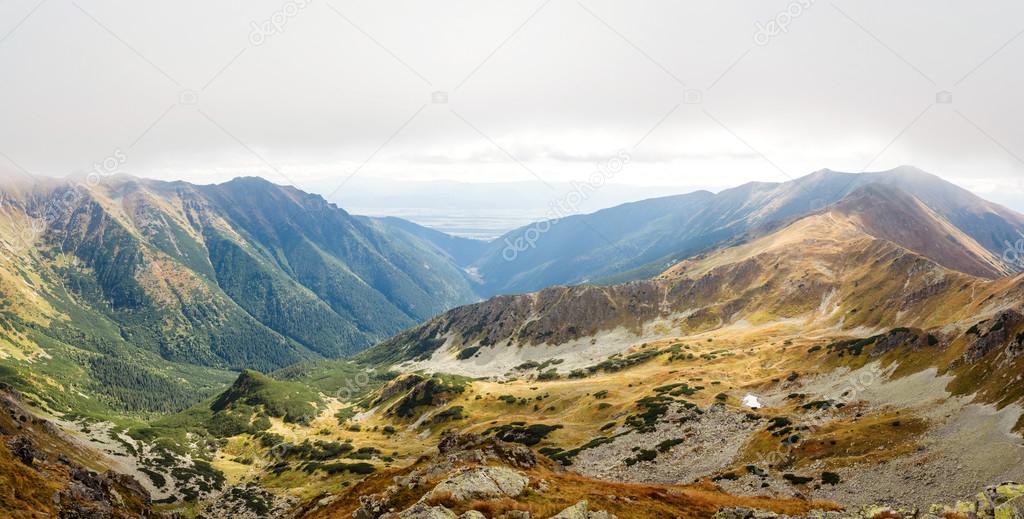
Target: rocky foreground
1005,501
475,478
44,473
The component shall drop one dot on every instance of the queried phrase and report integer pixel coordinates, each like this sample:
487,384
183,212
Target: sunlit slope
638,240
849,265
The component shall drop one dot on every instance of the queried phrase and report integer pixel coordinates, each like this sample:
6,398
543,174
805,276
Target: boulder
577,511
581,510
422,511
480,483
744,513
22,448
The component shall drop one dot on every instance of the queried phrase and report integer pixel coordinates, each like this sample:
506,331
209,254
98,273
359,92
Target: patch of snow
752,402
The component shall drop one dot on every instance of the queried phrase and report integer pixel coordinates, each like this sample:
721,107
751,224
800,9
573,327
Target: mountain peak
249,179
907,169
888,212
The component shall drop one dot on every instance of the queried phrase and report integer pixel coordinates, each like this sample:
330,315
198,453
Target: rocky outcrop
455,447
996,334
469,466
422,511
480,483
42,457
21,447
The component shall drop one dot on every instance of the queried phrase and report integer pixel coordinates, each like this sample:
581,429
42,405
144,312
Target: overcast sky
693,94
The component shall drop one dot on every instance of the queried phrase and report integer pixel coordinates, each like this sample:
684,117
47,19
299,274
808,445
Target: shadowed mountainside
638,240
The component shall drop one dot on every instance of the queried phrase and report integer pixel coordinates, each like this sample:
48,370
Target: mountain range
638,240
153,279
192,282
248,350
864,262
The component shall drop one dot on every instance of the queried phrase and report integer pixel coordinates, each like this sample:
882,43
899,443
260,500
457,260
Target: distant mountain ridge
878,258
638,240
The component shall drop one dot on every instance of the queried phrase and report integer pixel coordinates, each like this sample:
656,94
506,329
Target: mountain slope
891,214
582,247
849,266
174,277
841,356
635,241
462,250
46,473
847,356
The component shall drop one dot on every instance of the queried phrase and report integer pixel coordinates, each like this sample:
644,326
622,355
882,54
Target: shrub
527,435
796,480
551,374
452,413
468,352
354,468
667,445
643,455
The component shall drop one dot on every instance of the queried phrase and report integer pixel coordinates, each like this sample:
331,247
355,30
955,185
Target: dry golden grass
564,489
25,492
843,442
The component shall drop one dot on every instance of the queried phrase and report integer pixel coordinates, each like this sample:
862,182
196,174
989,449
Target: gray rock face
481,483
375,505
422,511
581,511
577,511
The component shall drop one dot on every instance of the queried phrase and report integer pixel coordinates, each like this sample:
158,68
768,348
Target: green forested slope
142,296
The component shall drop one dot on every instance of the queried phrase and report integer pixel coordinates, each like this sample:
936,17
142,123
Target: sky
333,96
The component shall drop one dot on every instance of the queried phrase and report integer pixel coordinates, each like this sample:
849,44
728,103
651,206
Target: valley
857,357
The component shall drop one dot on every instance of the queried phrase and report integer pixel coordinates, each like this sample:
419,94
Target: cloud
332,92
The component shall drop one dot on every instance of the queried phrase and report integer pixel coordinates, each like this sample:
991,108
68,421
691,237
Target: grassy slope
142,296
